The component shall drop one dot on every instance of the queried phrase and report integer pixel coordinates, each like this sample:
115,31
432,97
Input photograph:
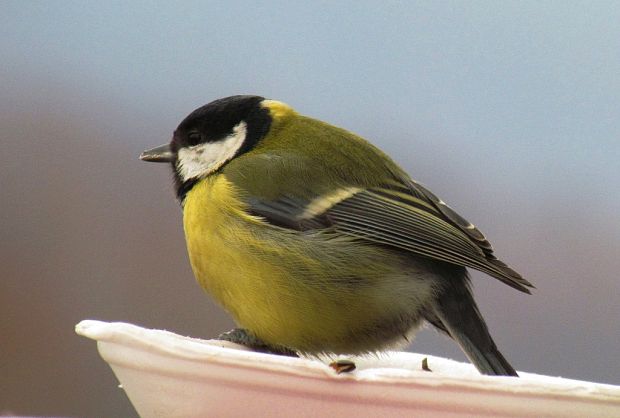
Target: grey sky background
509,111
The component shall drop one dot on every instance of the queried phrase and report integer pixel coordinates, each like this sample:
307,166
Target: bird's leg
244,337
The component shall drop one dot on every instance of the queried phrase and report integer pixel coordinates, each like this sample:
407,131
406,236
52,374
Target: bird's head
211,136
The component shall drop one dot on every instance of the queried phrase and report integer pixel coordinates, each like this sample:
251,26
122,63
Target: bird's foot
244,337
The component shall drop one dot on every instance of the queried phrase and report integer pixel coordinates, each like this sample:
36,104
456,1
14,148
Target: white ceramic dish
167,375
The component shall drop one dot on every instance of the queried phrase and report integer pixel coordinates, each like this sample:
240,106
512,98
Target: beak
160,154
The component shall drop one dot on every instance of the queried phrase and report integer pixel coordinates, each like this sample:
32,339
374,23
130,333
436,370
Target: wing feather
406,217
378,204
420,229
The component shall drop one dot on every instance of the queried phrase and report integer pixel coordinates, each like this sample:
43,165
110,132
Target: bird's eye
194,138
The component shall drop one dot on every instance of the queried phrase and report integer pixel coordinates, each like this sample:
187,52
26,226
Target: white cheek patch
203,159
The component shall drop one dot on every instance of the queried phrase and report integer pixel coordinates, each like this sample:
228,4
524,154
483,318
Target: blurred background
510,111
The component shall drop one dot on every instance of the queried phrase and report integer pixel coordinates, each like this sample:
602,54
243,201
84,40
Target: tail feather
457,314
488,361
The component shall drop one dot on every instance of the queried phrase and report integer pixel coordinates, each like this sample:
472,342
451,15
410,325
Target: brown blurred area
88,231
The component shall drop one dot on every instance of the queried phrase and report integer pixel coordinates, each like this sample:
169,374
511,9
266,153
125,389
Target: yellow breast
219,242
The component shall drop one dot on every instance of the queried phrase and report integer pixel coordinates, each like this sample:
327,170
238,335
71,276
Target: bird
317,242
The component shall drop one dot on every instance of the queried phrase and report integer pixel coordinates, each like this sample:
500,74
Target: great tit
315,241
